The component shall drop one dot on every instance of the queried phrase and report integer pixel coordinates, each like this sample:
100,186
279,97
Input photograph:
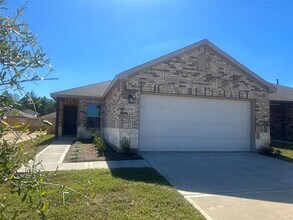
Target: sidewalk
55,152
52,158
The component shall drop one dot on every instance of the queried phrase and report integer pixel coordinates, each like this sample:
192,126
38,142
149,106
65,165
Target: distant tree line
43,104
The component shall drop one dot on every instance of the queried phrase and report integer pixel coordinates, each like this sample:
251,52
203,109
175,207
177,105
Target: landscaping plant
99,143
125,144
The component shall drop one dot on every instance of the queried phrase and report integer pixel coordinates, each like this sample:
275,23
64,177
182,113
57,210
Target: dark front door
69,120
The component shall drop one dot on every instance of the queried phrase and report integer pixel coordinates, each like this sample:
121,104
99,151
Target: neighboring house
15,113
17,116
281,104
51,117
29,111
197,98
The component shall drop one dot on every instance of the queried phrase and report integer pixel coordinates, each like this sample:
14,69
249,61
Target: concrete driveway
229,185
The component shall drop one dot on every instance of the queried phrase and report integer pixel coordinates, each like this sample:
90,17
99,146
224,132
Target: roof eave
55,96
281,101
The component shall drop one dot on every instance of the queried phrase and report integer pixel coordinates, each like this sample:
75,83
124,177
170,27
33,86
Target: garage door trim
252,112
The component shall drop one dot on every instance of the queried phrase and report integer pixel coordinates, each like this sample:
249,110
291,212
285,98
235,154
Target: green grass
286,150
129,193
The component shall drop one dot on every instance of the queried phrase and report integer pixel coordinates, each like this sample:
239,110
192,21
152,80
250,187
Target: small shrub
265,151
99,143
277,151
125,144
75,153
269,151
74,157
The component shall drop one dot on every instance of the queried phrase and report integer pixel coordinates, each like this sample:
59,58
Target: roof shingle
89,91
283,93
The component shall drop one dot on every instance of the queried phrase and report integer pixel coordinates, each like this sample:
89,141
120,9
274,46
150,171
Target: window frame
95,117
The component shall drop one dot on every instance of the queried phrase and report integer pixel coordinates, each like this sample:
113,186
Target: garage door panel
178,123
190,117
200,131
192,144
194,129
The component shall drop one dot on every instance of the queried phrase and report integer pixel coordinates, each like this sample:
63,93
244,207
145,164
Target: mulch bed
83,151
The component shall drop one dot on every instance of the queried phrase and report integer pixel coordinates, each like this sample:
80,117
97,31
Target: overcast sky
90,41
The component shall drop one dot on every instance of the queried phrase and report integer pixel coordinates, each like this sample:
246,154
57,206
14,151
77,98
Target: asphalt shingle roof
96,90
283,93
50,115
18,114
29,111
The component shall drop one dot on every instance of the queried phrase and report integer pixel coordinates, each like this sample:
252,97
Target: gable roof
89,91
50,115
29,111
283,93
18,114
125,74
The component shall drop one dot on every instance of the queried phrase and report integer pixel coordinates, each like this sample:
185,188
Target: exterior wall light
130,99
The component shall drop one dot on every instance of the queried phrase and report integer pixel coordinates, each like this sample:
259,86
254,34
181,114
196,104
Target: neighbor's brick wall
201,72
288,111
276,121
282,121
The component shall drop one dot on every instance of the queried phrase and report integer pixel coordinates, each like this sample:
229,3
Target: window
93,113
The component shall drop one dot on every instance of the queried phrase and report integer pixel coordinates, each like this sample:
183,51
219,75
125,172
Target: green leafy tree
21,58
9,99
47,106
43,104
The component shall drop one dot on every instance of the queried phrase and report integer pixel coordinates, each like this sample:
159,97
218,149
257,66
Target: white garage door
171,123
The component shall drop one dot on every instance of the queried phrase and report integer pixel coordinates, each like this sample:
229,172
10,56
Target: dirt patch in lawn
10,137
82,151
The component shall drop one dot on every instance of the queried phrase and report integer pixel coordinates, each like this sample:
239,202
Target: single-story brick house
197,98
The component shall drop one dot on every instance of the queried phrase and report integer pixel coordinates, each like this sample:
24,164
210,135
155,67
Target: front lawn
129,193
285,149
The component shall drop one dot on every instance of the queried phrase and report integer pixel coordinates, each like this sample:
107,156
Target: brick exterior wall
281,121
111,109
199,73
82,130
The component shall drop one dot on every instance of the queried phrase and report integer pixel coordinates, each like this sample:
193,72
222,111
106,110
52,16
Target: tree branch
26,80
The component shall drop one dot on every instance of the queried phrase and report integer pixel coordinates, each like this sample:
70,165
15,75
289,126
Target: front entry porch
79,117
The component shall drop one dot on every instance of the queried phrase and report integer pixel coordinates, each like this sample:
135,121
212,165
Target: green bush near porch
99,143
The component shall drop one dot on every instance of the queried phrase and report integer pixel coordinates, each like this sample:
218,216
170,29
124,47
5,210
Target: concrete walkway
55,152
52,158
